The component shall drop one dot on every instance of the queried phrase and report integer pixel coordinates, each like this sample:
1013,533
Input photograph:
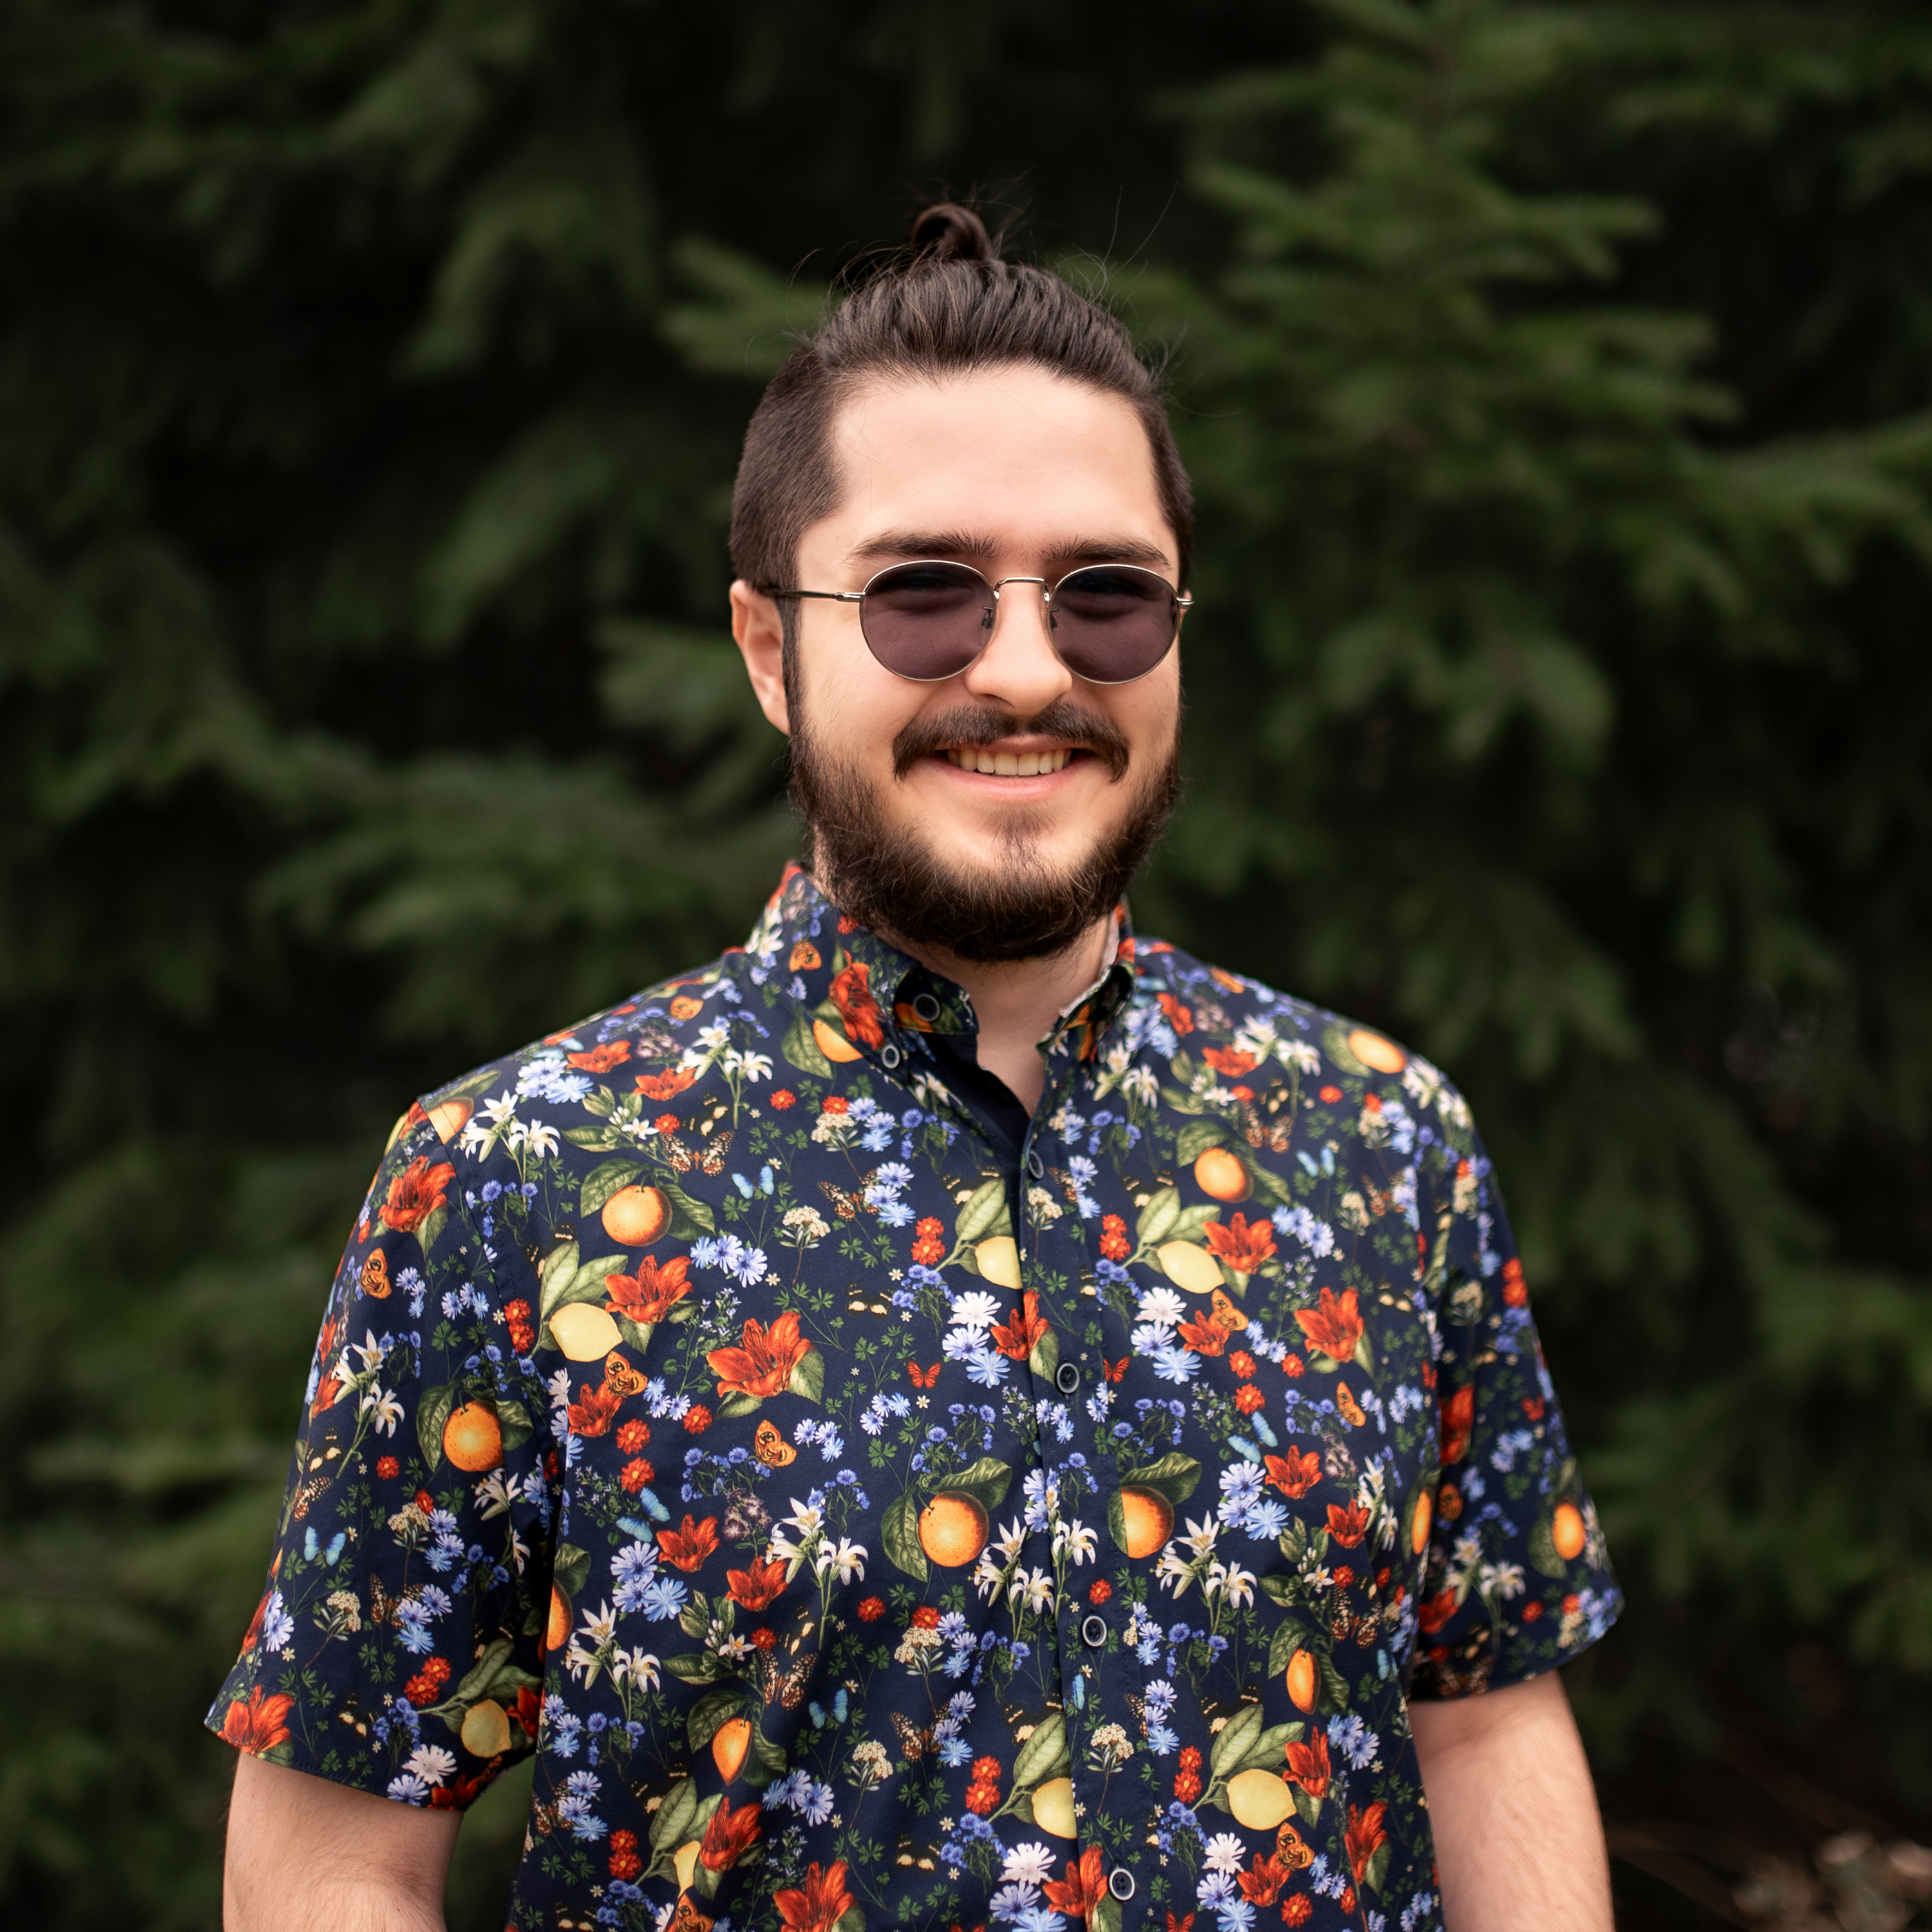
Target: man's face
1018,472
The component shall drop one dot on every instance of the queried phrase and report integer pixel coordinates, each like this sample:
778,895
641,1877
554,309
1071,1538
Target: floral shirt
864,1526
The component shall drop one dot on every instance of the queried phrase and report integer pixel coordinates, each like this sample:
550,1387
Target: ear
756,624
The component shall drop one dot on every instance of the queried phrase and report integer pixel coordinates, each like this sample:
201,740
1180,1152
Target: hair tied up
947,232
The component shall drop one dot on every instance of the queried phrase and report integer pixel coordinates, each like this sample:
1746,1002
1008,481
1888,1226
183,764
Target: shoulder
1237,1031
626,1063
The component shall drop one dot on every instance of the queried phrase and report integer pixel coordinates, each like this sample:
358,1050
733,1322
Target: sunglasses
1109,623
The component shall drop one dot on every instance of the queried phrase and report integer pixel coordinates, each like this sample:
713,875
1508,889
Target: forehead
1025,456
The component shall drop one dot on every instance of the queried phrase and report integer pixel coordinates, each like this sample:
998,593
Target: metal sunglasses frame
1183,602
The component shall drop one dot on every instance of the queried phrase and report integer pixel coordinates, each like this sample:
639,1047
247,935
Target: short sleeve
1518,1579
398,1644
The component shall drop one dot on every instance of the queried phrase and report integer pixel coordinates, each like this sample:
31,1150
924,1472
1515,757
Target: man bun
947,232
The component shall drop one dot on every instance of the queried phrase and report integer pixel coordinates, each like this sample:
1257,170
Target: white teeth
1010,764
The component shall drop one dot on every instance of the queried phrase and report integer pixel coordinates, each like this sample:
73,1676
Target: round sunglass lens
926,620
1113,623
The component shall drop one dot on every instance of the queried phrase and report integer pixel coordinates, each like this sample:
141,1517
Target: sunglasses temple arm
836,596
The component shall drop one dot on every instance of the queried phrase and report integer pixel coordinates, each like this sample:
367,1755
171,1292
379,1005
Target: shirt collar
867,996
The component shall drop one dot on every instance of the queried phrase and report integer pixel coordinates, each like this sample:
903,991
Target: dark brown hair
949,305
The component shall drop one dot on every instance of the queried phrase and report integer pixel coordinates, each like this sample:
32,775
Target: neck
1017,1002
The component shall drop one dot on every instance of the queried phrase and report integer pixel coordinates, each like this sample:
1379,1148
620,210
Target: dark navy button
1093,1633
1121,1883
1067,1378
1035,1165
926,1006
889,1056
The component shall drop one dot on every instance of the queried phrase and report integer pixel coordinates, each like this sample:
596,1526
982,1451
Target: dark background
1555,380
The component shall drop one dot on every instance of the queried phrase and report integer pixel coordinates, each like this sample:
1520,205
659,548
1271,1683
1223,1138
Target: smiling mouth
1008,764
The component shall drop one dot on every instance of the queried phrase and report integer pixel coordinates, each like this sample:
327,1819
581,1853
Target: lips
1008,764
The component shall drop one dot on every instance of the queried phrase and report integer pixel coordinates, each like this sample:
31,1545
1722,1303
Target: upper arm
300,1848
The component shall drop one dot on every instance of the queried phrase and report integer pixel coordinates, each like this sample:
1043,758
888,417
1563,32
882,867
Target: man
956,1414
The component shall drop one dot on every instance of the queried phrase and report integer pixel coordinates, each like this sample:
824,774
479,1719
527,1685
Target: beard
1017,905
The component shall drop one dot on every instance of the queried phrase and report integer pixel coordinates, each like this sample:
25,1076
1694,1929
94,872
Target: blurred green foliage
1555,380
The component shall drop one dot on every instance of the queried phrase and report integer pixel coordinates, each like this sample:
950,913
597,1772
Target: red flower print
835,1103
426,1684
1333,1327
1113,1242
666,1086
1515,1290
666,1123
1292,1367
1348,1526
416,1194
1531,1611
1021,1330
1262,1886
696,1419
632,1436
1295,1474
819,1904
783,1097
1085,1884
687,1548
857,1007
1187,1779
526,1713
1297,1910
1242,1363
1248,1398
1308,1765
983,1793
763,1363
1233,1061
653,1292
1100,1590
764,1638
928,1243
257,1725
731,1833
593,1412
1178,1017
1241,1244
1434,1611
925,1618
638,1474
1203,1337
601,1059
625,1862
523,1334
753,1588
871,1609
1459,1420
1343,1576
1366,1835
389,1469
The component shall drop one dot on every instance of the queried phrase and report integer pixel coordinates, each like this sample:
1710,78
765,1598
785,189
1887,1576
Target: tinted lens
927,620
1113,623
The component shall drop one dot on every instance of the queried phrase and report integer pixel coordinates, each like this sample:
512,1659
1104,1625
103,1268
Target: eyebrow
912,544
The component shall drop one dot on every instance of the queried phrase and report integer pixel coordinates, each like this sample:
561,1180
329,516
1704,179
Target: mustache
966,725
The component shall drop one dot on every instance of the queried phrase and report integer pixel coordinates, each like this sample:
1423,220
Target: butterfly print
924,1378
770,1447
374,1280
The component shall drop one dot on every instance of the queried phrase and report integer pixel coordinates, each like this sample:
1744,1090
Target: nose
1018,668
